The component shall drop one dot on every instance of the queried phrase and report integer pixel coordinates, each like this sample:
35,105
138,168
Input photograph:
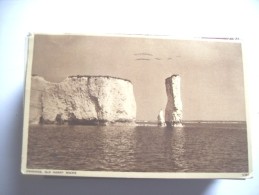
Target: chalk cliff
38,85
173,111
83,100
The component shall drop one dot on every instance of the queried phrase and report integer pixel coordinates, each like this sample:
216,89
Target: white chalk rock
89,100
161,119
174,108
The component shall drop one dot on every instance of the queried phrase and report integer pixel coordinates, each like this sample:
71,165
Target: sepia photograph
135,106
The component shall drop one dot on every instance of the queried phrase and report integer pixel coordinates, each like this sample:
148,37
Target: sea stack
174,107
85,100
161,119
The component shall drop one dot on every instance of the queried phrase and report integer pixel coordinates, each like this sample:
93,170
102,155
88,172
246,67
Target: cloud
142,59
143,54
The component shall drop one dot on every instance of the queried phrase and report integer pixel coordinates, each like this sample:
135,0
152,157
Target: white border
26,105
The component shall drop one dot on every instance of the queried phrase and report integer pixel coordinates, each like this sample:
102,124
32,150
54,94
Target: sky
212,84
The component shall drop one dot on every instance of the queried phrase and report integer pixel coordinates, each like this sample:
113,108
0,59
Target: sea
197,147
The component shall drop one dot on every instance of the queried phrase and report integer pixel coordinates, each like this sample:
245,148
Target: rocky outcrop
161,119
173,111
83,100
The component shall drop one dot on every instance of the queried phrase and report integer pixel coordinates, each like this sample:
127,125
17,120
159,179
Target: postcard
135,106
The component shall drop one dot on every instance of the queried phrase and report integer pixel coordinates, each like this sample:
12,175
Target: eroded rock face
38,85
84,100
173,112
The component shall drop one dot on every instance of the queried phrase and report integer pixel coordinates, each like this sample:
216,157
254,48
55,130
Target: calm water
193,148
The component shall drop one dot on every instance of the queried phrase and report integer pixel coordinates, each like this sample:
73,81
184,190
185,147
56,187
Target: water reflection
118,148
193,148
149,142
178,149
159,148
